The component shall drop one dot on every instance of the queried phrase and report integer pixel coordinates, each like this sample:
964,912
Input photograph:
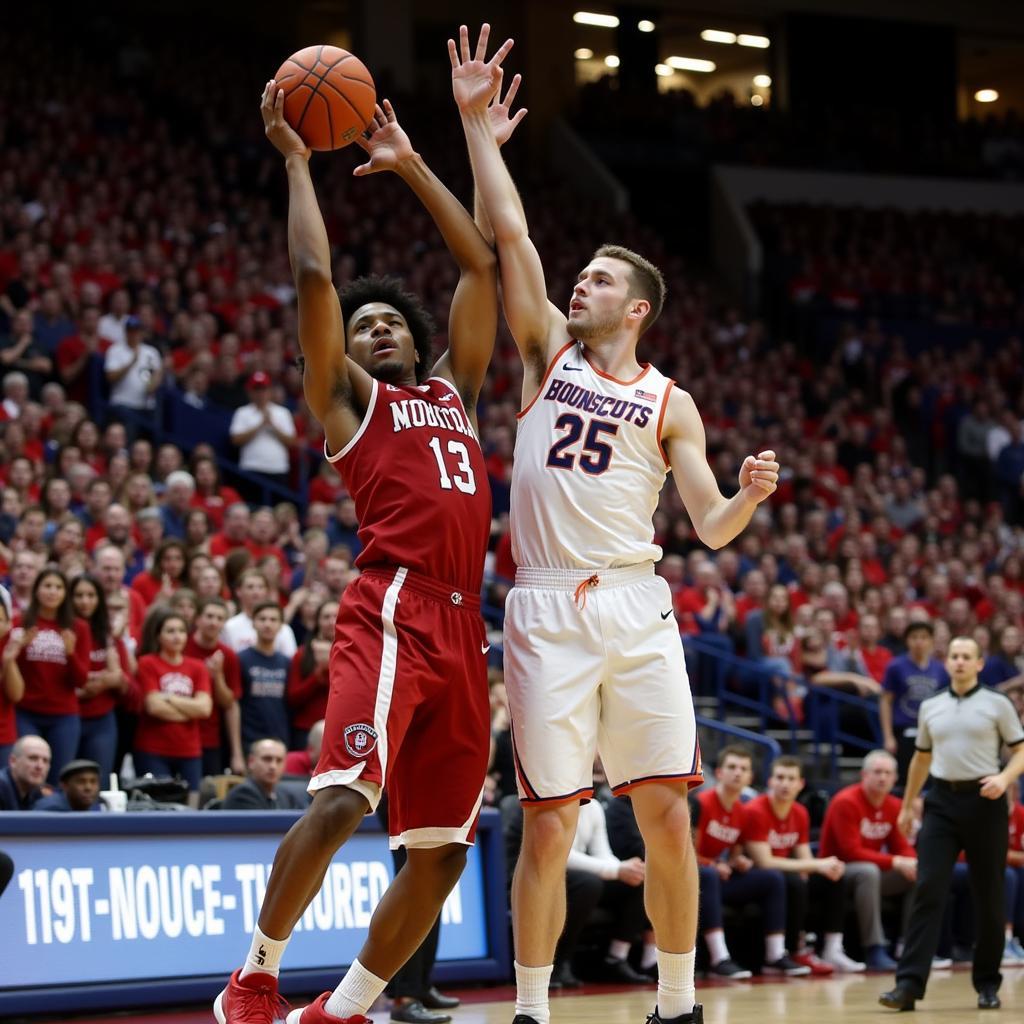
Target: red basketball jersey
416,473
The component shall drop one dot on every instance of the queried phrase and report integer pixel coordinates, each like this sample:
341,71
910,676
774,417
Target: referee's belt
959,786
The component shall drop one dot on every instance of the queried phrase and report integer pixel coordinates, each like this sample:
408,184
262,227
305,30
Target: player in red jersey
408,701
778,831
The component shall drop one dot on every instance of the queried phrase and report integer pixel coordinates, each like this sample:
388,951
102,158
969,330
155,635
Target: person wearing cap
263,431
134,371
79,789
960,733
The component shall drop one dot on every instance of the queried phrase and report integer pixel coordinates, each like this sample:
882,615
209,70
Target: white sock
649,957
532,992
717,949
264,955
618,949
676,992
774,947
833,945
356,994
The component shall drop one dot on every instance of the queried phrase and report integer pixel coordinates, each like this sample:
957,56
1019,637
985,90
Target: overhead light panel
583,53
600,20
986,95
691,64
762,81
663,70
714,35
645,26
612,60
757,42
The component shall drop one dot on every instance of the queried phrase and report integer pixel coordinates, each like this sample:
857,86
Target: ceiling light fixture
612,61
762,81
600,20
757,42
986,95
691,64
714,35
583,53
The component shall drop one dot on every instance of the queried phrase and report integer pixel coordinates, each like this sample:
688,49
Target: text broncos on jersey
578,397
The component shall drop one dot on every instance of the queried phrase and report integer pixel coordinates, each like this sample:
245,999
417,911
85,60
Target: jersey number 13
463,477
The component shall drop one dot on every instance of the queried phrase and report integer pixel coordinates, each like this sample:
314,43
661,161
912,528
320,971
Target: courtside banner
120,898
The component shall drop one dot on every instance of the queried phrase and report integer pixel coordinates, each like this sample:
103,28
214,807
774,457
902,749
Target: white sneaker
941,963
1013,954
843,964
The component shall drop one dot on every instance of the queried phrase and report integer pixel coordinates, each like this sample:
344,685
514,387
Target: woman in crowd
211,495
197,531
86,438
166,574
56,502
110,671
54,662
12,685
308,681
175,698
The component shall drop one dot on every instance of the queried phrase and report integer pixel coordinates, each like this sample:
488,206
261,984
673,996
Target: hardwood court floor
850,1000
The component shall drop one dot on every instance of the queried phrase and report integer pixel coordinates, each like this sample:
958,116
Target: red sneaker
816,964
253,999
316,1013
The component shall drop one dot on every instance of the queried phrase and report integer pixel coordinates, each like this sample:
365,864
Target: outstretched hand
474,80
501,124
285,138
385,141
759,477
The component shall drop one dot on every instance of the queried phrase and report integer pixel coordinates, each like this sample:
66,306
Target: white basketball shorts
594,664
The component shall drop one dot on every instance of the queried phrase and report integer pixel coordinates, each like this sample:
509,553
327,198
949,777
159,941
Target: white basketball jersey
589,467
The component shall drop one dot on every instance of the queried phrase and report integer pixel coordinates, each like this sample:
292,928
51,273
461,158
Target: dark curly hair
375,288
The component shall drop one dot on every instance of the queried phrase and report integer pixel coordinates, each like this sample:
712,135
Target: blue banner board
149,901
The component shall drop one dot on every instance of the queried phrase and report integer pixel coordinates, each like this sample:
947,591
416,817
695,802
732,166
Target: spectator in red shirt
234,535
860,829
870,657
755,589
110,672
226,680
176,697
728,876
12,685
211,495
165,576
309,679
778,838
74,352
302,762
54,662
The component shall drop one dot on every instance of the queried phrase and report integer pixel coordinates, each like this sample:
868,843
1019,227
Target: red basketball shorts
408,706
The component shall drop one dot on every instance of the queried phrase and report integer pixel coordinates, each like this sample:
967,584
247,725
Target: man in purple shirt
909,679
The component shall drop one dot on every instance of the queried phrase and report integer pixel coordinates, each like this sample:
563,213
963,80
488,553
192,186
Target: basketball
329,95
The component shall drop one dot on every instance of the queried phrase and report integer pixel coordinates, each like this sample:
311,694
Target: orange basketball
329,95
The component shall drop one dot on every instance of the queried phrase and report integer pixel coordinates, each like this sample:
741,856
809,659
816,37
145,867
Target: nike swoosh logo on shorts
577,369
484,648
665,615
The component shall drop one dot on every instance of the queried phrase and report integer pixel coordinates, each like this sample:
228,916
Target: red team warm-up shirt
854,830
209,728
51,675
718,829
783,835
417,476
170,739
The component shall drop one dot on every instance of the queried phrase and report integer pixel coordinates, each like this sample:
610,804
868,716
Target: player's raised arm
473,320
321,331
534,323
716,519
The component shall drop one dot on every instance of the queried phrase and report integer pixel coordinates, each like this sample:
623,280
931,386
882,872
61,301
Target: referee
960,733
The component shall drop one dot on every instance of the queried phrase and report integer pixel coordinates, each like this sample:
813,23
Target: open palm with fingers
502,124
474,80
387,144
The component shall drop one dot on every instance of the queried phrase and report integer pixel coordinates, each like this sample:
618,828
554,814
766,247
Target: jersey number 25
595,455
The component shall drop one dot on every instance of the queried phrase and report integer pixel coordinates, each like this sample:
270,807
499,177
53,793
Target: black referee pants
956,820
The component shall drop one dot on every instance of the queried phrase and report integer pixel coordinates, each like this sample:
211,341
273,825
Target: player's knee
442,864
336,812
547,837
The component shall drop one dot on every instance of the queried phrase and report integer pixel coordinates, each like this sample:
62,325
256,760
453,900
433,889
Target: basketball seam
341,95
322,80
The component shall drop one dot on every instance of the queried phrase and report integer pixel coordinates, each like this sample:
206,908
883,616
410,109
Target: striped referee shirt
964,733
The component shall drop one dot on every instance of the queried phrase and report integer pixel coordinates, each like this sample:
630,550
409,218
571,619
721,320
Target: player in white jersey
593,657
